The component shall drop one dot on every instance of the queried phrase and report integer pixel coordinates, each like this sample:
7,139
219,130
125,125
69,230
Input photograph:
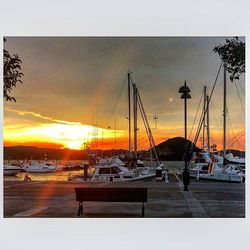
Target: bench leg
142,209
80,210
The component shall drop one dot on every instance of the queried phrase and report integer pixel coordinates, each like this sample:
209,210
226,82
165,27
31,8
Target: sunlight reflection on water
54,176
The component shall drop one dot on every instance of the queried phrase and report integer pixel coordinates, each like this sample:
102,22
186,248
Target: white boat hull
47,167
11,172
40,170
220,177
139,178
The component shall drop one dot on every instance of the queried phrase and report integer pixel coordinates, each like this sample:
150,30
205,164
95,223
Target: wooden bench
110,194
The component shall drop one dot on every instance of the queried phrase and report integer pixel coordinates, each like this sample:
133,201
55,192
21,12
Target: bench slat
111,194
118,194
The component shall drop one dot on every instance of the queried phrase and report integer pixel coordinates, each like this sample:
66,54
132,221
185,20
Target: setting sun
74,145
72,136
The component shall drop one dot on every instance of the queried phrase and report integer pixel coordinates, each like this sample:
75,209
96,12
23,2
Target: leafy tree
232,53
12,73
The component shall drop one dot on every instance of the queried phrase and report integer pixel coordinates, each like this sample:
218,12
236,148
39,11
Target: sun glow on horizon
75,136
69,135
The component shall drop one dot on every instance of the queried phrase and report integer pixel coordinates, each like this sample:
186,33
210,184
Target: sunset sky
74,90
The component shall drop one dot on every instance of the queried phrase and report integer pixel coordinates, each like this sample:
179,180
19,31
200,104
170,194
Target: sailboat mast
135,121
224,114
129,116
115,132
208,129
204,111
102,143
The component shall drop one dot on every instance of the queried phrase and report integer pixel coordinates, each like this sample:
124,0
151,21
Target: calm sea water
55,176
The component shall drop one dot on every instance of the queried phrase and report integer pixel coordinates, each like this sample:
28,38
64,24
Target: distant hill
36,153
173,149
30,152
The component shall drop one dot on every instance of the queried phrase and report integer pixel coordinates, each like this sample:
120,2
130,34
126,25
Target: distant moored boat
45,167
10,170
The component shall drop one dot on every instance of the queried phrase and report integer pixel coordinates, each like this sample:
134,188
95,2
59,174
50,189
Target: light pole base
185,180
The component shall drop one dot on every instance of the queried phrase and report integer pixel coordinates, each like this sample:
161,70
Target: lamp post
185,91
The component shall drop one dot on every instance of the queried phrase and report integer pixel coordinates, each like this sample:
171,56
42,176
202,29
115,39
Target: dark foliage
232,53
12,73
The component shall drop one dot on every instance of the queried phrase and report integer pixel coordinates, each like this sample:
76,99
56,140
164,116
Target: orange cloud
21,112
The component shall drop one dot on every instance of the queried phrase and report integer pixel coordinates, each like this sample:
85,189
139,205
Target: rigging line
237,137
143,142
204,114
241,87
241,145
212,91
217,113
229,128
202,120
239,134
147,128
239,97
143,136
196,115
143,118
236,140
142,132
116,102
230,124
146,125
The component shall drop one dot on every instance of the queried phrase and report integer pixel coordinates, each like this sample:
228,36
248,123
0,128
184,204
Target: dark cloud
76,78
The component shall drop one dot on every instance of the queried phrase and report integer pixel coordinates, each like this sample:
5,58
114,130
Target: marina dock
165,200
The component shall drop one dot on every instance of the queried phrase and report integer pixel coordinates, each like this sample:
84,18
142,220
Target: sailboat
217,170
113,169
138,105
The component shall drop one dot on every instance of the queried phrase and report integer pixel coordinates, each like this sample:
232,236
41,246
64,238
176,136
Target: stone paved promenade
166,200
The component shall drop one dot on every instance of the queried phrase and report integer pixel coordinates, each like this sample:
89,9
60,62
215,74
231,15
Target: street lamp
184,90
